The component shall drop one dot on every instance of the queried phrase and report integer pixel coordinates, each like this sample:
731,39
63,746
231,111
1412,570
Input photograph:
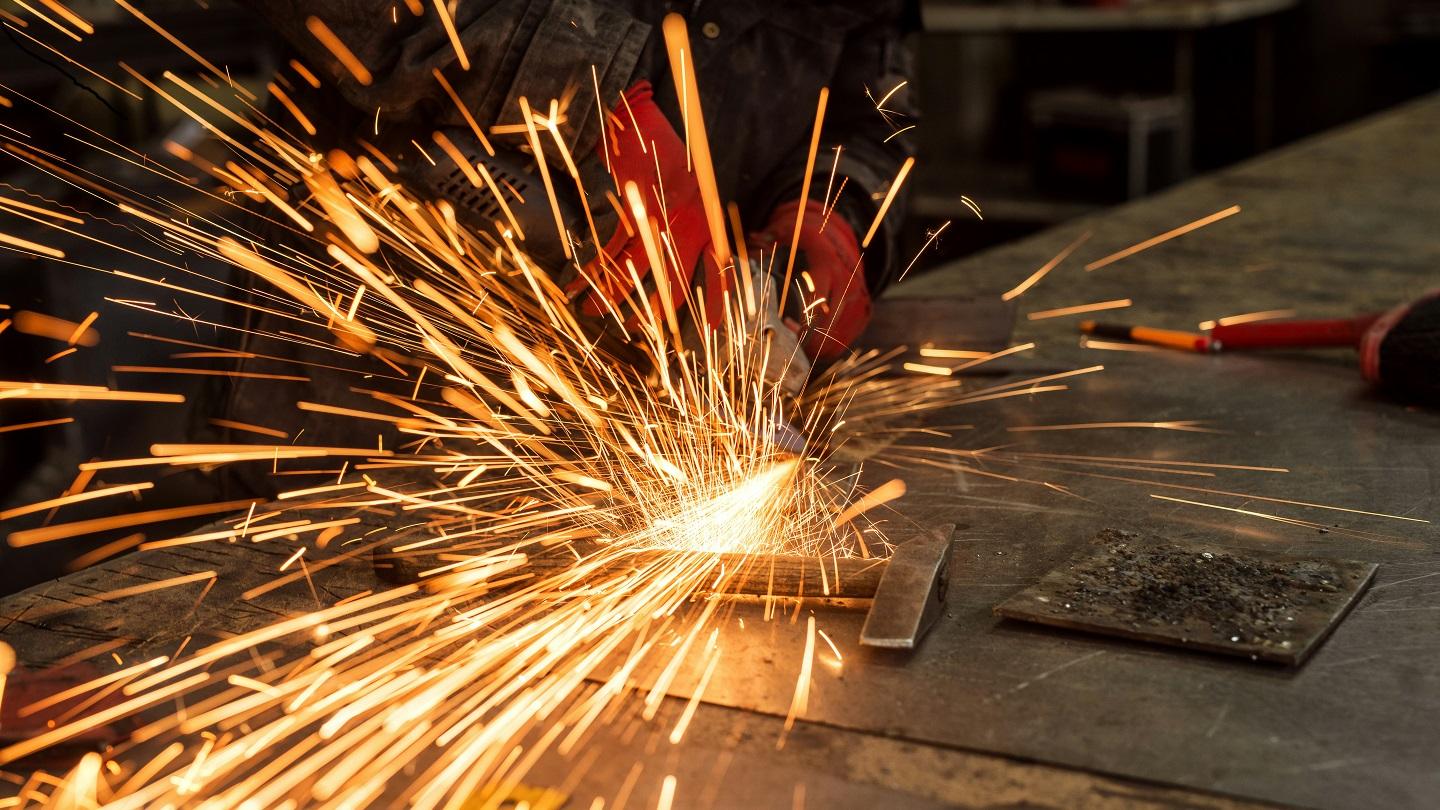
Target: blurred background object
1041,111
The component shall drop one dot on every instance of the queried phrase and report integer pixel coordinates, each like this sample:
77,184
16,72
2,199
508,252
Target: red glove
644,149
827,294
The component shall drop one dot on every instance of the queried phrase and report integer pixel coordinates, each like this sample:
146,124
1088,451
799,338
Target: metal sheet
1255,604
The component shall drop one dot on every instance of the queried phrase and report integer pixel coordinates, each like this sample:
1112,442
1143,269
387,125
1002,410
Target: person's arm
537,48
875,61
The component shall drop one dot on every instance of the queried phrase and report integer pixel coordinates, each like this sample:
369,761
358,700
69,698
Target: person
760,67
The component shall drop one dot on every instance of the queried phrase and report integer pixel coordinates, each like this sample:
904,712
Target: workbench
992,713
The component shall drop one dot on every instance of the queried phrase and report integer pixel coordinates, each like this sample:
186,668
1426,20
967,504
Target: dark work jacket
760,66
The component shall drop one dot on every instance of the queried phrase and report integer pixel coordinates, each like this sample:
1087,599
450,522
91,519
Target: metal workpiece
906,591
911,593
1249,603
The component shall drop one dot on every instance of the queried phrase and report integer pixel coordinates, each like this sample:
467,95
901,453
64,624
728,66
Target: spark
454,35
922,368
889,491
63,420
24,390
934,235
1207,464
677,40
53,24
70,16
815,131
800,702
231,424
1249,317
960,354
62,531
885,204
6,202
305,73
880,105
337,49
667,793
173,40
136,590
1119,303
688,713
33,247
290,106
66,500
1164,237
1019,289
1119,346
1190,426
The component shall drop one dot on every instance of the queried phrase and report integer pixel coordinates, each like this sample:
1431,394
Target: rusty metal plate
1257,604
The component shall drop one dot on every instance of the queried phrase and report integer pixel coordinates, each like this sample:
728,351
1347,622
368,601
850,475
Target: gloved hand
641,147
644,149
828,299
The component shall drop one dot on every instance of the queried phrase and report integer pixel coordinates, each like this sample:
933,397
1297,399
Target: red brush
1399,349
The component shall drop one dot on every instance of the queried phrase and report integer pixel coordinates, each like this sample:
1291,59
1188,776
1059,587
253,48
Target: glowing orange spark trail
47,326
677,43
53,24
1019,289
66,500
464,111
454,35
804,193
23,390
173,40
337,49
1183,425
1164,237
33,247
1119,303
62,531
63,420
1248,317
890,195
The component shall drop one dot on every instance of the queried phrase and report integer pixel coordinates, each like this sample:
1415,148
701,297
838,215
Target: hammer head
912,591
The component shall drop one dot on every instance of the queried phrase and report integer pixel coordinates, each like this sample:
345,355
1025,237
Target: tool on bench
906,590
1150,336
1399,349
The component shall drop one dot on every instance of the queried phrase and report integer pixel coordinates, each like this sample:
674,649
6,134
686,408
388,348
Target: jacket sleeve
875,142
543,49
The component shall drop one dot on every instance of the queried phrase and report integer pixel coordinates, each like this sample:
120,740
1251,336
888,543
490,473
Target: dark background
1032,110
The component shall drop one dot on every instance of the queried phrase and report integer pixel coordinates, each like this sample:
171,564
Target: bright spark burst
528,441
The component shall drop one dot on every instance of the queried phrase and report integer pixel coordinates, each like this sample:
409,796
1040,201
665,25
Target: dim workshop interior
619,404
